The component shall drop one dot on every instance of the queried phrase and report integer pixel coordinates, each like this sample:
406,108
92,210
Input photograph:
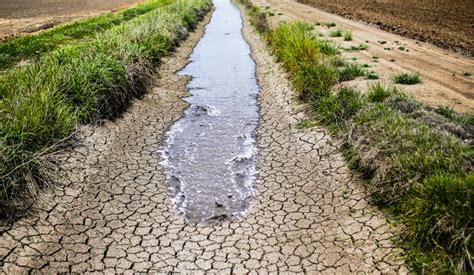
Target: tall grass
303,56
32,46
416,169
41,103
424,177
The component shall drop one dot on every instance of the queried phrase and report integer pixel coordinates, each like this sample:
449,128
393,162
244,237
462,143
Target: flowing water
209,154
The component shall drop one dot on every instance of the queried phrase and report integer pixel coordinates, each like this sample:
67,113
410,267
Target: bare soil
26,16
448,24
443,82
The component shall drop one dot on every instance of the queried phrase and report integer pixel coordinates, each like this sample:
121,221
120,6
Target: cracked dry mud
113,213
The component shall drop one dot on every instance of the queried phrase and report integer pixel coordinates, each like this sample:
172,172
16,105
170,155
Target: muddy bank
447,24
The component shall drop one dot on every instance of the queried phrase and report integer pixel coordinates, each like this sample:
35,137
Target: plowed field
448,24
23,16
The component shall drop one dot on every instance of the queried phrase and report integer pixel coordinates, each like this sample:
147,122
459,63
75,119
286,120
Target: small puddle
209,154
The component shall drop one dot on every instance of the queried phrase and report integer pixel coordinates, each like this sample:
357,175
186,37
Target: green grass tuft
407,78
360,47
350,72
335,111
407,151
299,50
439,213
337,61
347,35
378,92
371,75
327,48
336,33
313,80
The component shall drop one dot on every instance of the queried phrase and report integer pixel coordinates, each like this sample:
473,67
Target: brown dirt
26,16
441,70
446,23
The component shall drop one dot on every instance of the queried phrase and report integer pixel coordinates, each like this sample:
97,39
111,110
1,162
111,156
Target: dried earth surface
443,82
446,23
113,214
26,16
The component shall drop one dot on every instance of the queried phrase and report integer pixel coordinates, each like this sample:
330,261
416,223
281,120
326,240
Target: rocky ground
113,214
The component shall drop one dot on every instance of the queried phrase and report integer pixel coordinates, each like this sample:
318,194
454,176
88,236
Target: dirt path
25,16
441,70
114,213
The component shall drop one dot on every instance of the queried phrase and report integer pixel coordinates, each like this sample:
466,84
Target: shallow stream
209,154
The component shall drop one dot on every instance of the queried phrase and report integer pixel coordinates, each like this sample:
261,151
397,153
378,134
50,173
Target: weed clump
407,78
301,53
350,72
360,47
337,61
336,110
419,174
443,207
371,75
347,35
313,80
378,93
336,33
406,151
